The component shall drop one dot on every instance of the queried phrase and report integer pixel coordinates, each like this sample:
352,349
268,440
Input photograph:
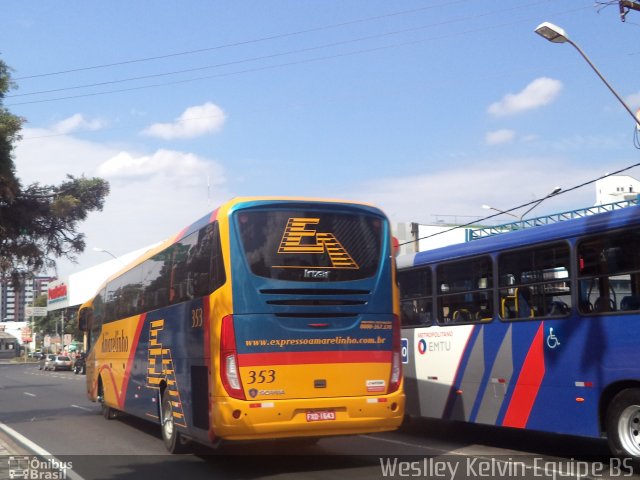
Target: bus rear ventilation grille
313,291
316,315
321,303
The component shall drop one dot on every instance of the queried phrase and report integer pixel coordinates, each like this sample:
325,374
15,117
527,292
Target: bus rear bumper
263,419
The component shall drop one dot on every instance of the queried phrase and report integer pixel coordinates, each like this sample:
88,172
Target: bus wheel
172,438
107,412
623,424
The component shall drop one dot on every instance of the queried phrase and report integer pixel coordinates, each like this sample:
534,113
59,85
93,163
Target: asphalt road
51,410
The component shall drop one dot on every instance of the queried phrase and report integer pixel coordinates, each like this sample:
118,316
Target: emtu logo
297,239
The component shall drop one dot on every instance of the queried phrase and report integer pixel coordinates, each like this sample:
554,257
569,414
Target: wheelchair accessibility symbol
552,340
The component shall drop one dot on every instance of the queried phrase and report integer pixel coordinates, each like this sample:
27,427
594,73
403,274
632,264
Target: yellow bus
267,318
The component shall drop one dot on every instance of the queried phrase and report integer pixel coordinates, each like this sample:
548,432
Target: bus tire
173,440
623,424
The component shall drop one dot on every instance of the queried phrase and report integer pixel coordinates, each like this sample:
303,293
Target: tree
38,223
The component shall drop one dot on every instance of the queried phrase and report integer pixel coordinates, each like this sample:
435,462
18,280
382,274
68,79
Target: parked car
45,359
58,362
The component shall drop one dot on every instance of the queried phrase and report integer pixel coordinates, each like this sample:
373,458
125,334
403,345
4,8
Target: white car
59,362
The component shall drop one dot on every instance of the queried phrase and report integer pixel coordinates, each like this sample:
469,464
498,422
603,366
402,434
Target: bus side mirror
83,320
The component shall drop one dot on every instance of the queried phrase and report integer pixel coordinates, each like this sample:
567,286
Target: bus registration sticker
320,415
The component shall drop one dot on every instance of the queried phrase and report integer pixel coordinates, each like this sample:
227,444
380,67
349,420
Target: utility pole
625,6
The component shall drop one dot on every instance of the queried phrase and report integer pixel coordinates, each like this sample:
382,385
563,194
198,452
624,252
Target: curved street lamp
555,34
489,207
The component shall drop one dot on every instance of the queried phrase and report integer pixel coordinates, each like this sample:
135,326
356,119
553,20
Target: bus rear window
310,245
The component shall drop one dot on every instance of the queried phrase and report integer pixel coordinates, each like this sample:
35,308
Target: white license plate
320,415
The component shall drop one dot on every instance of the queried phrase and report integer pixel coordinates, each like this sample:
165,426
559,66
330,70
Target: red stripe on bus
214,215
295,358
528,384
132,354
180,234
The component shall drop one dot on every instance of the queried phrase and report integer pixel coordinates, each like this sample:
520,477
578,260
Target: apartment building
13,302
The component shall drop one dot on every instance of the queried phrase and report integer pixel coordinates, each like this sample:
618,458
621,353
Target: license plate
320,415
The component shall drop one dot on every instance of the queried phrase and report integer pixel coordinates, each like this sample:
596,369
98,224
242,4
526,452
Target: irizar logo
316,273
298,239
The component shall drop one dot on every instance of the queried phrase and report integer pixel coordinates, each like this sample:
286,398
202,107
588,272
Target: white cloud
179,166
500,136
633,100
538,93
174,192
458,193
194,122
77,122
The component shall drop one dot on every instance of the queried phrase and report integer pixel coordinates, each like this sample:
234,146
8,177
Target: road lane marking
82,408
30,394
37,450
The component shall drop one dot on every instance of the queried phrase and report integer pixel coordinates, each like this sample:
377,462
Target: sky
426,108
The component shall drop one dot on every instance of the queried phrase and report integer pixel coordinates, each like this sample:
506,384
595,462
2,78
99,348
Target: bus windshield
310,245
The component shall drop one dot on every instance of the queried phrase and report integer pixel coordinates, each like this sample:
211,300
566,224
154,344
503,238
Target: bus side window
200,260
218,276
181,288
465,291
609,273
416,303
155,281
535,282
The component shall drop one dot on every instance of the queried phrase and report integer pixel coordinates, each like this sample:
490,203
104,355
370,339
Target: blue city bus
534,329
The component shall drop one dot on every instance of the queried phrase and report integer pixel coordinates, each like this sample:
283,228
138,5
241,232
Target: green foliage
38,223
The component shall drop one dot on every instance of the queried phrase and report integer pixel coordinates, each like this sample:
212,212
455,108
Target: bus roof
531,236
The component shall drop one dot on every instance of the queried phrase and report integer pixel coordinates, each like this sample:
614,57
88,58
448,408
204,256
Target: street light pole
555,191
555,34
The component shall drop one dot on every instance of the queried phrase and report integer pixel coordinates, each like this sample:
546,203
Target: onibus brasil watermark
38,468
506,467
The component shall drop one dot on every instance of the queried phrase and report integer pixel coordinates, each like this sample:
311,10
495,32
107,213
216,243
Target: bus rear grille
321,303
313,291
316,315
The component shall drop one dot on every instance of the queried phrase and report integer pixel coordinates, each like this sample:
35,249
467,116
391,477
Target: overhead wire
286,64
447,3
289,52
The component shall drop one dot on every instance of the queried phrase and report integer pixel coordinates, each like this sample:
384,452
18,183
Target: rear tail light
229,371
396,357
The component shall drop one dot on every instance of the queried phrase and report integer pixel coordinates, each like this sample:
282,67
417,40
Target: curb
9,447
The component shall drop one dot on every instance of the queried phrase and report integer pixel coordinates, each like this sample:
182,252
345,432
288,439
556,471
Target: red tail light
396,357
229,371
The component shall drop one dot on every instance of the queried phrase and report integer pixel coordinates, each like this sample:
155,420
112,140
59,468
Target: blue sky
428,109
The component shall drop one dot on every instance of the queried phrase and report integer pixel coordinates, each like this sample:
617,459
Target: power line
244,42
287,64
274,55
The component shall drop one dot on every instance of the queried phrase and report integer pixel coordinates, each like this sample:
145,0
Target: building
8,344
13,302
616,188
